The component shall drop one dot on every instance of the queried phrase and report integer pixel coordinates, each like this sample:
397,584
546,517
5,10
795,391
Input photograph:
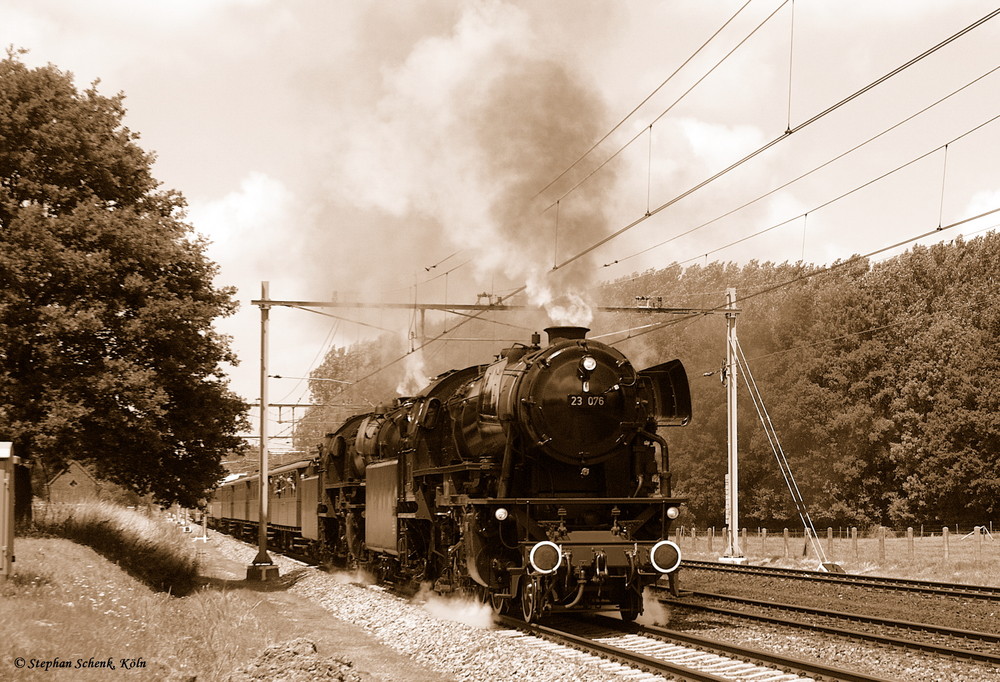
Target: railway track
978,592
933,639
677,655
649,651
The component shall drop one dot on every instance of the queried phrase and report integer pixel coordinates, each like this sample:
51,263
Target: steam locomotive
538,480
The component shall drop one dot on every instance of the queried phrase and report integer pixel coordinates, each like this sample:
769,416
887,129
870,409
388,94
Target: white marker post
8,464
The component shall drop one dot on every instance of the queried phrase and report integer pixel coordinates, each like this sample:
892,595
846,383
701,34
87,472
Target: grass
66,602
972,560
146,547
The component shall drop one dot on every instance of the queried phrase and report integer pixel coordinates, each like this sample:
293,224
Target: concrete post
8,467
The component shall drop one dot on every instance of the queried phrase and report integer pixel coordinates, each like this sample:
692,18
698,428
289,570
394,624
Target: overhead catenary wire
431,279
908,319
850,192
728,169
647,98
791,55
786,135
822,271
807,173
446,258
667,110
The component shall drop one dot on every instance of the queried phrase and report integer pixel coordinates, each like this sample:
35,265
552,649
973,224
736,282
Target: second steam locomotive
538,482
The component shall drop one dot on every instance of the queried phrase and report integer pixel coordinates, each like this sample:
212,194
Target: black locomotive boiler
538,480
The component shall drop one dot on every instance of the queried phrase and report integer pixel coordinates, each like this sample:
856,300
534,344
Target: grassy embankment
970,559
66,602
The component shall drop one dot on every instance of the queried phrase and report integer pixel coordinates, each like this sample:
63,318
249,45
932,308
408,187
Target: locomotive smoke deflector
673,397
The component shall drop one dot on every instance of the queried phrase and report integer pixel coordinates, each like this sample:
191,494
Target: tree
107,352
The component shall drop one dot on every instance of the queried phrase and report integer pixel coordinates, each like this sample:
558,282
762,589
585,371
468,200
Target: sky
435,150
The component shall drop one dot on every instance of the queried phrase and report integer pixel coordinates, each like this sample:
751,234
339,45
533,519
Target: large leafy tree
881,380
107,351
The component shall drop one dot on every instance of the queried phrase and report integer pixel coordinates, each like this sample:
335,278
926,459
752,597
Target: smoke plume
468,128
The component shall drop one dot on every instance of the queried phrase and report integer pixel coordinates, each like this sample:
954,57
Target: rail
985,592
676,654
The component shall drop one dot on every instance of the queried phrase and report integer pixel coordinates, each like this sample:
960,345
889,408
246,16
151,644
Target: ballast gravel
454,637
450,636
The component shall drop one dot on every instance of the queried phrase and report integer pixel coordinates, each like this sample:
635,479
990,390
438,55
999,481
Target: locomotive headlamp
665,556
673,512
588,363
500,514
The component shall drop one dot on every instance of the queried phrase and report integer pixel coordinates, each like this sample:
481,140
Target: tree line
882,381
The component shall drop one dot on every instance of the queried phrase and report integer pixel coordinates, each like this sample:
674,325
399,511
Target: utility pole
263,568
733,552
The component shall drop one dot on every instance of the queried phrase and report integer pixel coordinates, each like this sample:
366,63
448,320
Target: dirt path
371,659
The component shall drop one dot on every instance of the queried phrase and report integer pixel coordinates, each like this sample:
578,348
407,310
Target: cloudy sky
352,148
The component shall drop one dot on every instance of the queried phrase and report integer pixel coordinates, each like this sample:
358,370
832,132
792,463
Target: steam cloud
466,130
455,608
414,374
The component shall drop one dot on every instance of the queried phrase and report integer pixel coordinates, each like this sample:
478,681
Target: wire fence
882,545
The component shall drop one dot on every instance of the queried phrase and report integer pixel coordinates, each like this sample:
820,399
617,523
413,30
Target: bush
147,548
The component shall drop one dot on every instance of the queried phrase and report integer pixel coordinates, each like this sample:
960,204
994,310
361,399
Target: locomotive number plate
583,400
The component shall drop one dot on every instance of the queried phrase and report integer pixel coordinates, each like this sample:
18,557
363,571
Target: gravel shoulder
425,638
306,623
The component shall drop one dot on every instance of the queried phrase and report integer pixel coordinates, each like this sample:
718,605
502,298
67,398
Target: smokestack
566,333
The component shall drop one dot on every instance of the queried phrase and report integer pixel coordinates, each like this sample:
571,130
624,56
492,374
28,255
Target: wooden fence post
854,541
881,544
711,537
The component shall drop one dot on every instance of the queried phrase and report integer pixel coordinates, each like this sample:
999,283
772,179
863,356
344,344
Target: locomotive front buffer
551,567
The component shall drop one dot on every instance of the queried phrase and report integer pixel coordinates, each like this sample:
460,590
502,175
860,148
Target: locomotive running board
670,501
